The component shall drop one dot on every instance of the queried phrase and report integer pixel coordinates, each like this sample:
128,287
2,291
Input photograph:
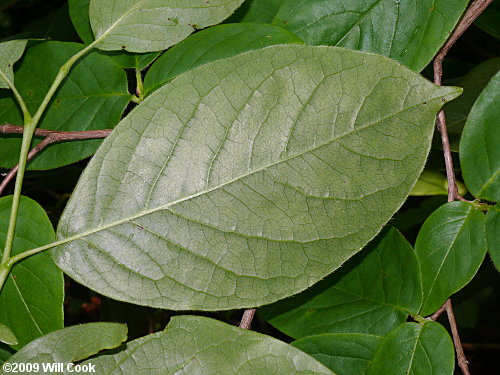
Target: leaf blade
10,52
260,171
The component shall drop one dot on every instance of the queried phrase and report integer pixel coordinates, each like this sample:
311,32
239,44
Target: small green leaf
93,96
417,349
479,151
7,336
365,296
434,183
10,52
458,110
488,20
153,25
450,247
79,13
249,179
344,353
32,297
493,234
410,31
212,44
72,344
198,345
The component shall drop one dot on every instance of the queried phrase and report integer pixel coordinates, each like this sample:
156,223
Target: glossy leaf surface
410,31
72,344
153,25
365,296
212,44
415,349
344,353
450,247
249,179
32,298
93,96
479,151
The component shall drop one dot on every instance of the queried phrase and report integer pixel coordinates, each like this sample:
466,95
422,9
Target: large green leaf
344,353
212,44
458,110
365,296
32,298
93,96
450,248
249,179
10,52
416,349
493,234
153,25
410,31
479,151
189,345
72,344
197,345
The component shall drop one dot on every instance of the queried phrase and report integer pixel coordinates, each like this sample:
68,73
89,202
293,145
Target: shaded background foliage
476,306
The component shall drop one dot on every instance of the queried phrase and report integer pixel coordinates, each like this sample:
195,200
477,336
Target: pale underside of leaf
10,52
249,179
153,25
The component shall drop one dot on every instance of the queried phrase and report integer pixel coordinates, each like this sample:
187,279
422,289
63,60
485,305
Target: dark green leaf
32,297
408,31
450,248
493,234
344,353
366,296
93,96
458,110
72,344
153,25
488,20
212,44
479,151
417,349
5,353
79,13
256,11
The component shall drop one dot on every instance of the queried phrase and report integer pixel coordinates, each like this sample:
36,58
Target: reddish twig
246,320
475,9
472,13
51,136
461,359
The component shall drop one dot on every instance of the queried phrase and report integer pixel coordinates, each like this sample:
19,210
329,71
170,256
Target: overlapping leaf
248,179
93,96
215,43
153,25
366,296
410,31
31,301
479,151
10,52
189,344
493,234
72,344
450,247
344,353
417,349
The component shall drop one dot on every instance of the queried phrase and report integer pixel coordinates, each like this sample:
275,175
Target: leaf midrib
206,191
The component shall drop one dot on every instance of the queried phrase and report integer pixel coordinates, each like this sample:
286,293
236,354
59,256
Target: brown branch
246,320
461,359
475,9
51,136
472,13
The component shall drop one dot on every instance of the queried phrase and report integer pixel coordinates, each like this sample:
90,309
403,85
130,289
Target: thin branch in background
461,359
246,320
51,136
474,10
438,313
